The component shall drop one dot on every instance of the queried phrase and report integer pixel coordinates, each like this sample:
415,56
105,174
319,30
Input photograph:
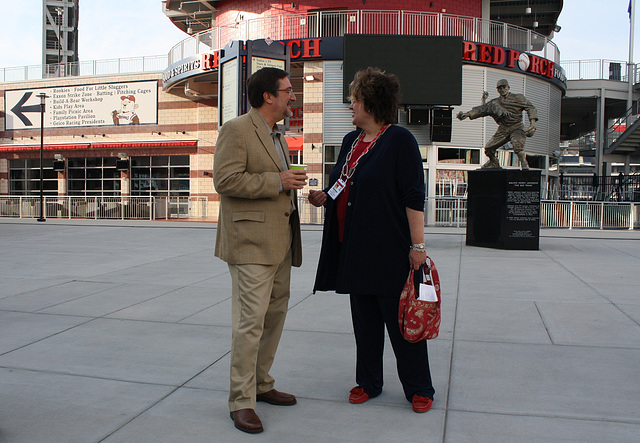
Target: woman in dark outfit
373,233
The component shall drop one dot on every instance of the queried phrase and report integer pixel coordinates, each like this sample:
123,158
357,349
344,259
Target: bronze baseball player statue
506,110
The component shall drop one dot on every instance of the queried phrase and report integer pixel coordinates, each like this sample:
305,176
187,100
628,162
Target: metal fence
446,211
309,213
439,211
339,23
591,215
452,211
617,188
600,70
114,208
155,63
332,24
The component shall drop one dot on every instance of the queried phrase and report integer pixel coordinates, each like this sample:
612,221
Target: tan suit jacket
255,220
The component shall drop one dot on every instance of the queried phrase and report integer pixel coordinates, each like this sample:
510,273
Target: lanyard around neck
348,171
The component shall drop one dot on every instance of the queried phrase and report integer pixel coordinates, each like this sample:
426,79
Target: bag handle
431,272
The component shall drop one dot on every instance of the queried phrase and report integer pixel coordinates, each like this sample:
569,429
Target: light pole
42,97
59,11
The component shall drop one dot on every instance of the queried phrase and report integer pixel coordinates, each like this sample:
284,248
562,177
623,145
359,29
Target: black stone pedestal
503,209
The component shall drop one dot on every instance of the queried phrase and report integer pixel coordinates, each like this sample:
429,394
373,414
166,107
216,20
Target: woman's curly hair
379,93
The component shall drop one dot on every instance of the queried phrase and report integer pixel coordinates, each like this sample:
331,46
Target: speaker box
418,116
58,165
122,165
441,125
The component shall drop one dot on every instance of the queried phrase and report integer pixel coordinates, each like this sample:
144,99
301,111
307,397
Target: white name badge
336,189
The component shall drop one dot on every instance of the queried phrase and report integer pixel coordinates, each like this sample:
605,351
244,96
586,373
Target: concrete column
62,183
125,183
600,133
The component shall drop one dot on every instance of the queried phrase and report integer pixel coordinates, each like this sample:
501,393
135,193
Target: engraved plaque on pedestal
503,209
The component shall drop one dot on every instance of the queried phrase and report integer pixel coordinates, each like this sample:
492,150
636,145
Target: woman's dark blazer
373,258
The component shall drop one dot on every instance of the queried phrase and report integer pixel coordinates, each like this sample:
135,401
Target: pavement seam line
453,336
161,399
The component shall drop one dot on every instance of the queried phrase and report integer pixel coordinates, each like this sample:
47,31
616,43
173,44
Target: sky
591,29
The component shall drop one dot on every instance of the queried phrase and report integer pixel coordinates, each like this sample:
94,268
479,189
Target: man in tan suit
259,238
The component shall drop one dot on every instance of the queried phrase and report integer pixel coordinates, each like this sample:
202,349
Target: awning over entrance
158,144
16,148
294,143
112,145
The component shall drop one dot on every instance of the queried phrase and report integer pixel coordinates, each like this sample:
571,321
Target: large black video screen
429,67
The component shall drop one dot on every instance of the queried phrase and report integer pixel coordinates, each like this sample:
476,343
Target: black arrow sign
18,109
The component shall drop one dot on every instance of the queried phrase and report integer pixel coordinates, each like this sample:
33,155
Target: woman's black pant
370,313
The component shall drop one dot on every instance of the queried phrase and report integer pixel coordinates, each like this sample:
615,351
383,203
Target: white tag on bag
427,293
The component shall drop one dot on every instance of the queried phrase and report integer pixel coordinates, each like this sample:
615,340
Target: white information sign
258,63
262,62
229,92
83,105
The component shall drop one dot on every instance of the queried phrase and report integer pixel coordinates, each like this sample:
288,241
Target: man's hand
531,129
485,96
462,115
317,198
293,179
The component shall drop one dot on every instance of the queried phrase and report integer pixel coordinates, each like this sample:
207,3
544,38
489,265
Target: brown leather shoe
247,421
278,398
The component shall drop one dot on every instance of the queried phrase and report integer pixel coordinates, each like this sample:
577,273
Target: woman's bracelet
419,247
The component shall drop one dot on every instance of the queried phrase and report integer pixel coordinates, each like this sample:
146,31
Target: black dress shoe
278,398
247,421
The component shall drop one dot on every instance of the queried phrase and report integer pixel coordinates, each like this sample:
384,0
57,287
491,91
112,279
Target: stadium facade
154,133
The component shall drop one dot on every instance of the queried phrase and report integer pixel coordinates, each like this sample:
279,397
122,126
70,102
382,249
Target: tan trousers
259,302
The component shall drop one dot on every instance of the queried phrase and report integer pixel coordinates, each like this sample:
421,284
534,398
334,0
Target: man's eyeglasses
287,90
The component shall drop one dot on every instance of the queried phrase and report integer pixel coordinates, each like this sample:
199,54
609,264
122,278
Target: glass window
75,187
331,154
50,174
94,173
330,158
113,174
159,161
459,155
73,174
140,161
16,174
75,163
179,160
179,172
536,161
111,185
451,183
160,175
94,185
93,176
24,177
160,172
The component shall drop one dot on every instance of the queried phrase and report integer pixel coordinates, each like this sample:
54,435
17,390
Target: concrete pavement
120,332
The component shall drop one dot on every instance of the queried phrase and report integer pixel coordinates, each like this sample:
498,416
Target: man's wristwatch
419,247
